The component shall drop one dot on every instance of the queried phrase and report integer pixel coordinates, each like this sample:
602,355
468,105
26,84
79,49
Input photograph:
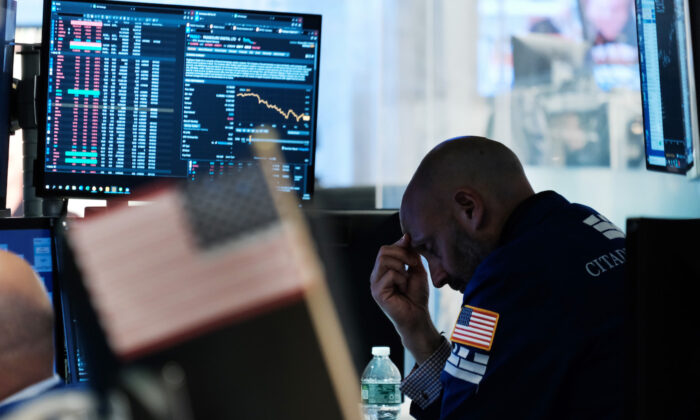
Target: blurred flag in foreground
203,255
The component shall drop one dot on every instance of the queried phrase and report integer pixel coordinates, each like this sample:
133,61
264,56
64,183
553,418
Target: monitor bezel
51,224
313,21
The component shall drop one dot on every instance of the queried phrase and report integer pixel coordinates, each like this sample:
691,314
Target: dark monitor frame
51,224
313,20
661,290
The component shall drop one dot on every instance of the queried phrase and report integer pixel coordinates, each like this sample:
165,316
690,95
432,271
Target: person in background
26,335
539,333
611,28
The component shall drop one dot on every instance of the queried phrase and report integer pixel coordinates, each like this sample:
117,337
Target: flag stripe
469,331
470,339
480,329
486,335
470,336
485,317
480,324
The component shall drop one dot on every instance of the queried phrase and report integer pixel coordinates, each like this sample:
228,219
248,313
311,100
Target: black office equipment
664,31
134,92
662,366
348,243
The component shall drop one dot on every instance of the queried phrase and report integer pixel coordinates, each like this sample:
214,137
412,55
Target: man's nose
437,274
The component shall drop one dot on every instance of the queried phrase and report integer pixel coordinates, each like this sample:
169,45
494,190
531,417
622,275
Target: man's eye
432,252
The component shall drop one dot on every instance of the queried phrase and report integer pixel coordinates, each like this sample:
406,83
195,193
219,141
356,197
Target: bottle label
381,394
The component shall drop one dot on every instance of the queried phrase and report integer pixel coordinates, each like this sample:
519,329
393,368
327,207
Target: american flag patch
475,327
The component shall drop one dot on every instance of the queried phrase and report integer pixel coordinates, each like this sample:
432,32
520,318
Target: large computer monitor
668,84
137,91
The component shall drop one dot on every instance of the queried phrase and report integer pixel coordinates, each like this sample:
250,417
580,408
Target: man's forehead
413,216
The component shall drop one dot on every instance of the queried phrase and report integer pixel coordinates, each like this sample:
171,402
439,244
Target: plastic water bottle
381,396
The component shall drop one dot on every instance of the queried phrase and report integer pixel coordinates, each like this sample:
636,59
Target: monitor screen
667,81
34,240
138,91
34,245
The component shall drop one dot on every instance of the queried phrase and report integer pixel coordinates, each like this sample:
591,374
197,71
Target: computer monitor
661,290
33,240
136,92
668,84
543,59
8,16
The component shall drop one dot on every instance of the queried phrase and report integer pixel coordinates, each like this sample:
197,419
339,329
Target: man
26,334
539,333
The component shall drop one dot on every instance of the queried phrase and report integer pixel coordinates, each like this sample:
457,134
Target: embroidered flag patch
475,327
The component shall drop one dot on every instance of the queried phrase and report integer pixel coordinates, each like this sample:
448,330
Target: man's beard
468,254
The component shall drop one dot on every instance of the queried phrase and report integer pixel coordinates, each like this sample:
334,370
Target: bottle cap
381,351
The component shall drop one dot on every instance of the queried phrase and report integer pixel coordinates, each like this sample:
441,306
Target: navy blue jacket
555,285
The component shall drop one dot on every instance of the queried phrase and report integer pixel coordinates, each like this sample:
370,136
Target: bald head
458,201
26,326
485,165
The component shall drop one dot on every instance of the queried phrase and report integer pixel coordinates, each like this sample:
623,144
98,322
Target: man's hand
399,285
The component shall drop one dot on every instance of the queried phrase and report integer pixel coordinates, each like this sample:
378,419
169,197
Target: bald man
538,335
26,334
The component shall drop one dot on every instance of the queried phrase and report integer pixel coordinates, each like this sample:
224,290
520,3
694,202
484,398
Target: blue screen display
34,245
666,84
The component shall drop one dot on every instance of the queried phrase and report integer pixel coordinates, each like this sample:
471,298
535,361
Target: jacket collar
531,212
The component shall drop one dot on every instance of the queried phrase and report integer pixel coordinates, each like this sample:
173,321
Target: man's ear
470,208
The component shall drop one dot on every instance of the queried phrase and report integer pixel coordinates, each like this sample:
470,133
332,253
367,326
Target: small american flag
475,327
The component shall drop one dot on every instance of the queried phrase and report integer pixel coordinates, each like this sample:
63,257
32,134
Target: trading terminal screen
667,84
136,91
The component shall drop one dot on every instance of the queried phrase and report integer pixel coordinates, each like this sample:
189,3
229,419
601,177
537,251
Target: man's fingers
387,285
405,255
404,241
389,263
